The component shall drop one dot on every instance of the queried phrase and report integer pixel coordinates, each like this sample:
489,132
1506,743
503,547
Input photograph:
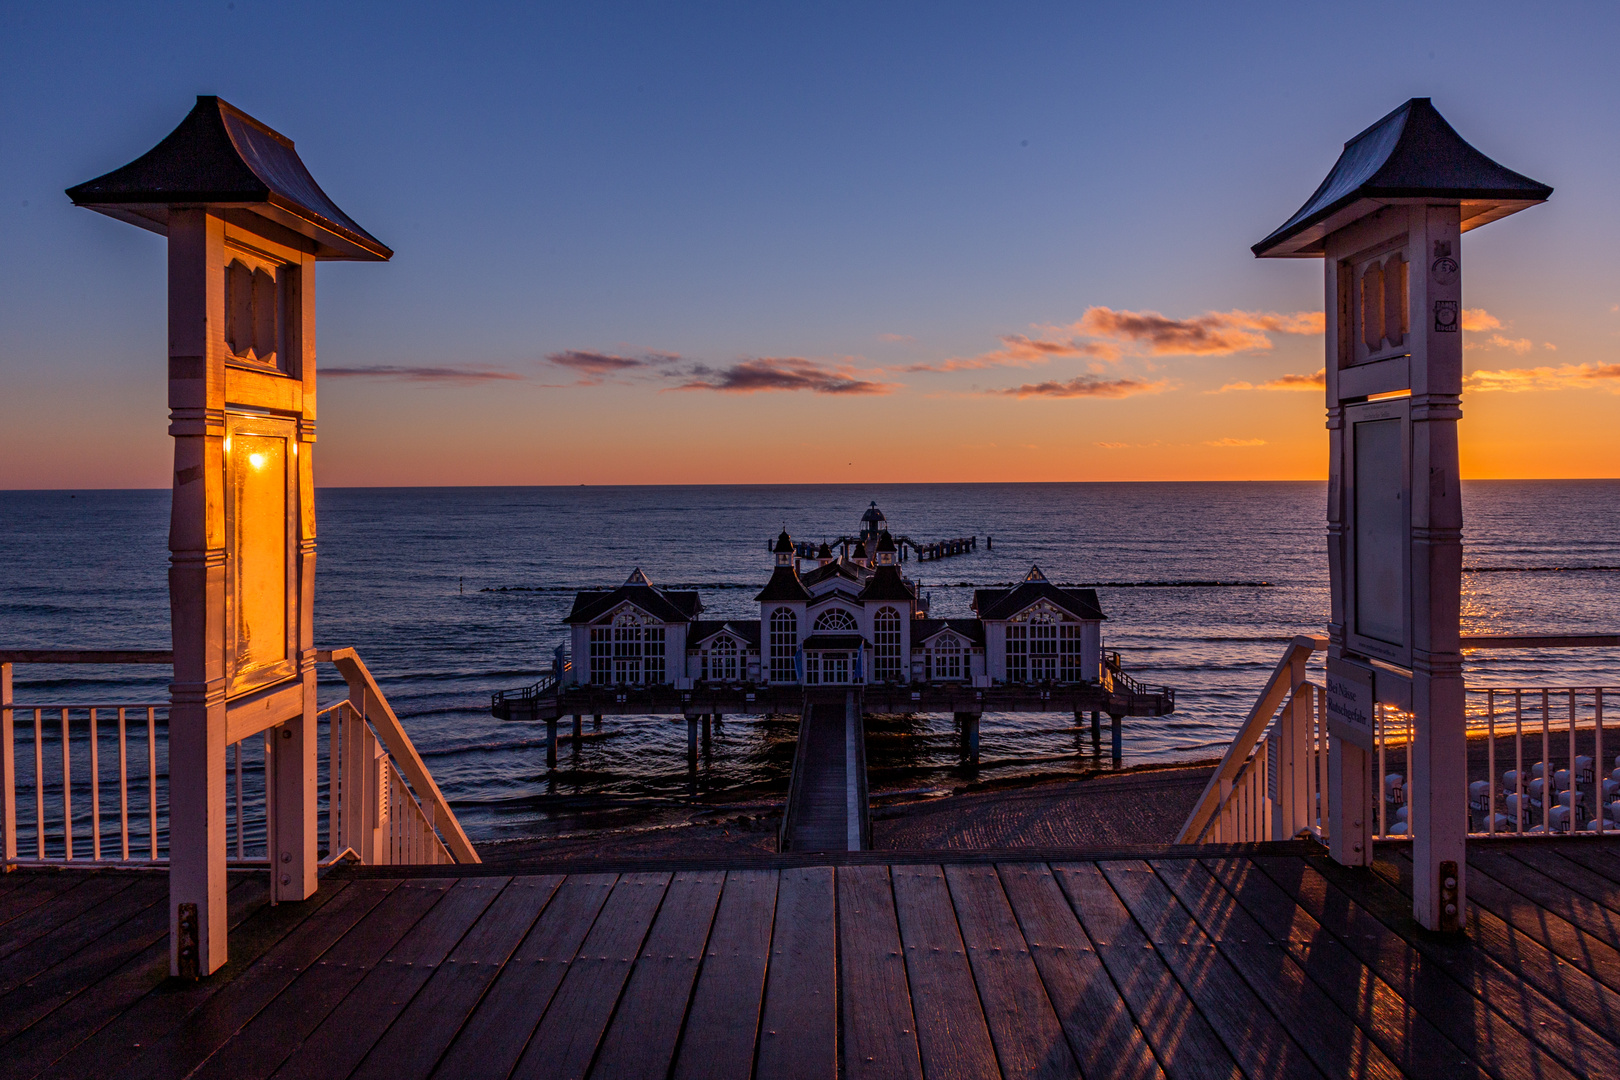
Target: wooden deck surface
1265,962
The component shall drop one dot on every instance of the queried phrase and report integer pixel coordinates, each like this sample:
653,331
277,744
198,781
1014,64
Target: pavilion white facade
846,620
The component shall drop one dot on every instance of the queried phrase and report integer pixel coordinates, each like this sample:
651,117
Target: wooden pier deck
826,803
1264,961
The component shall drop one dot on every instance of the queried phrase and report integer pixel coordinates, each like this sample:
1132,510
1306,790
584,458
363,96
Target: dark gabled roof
784,588
834,641
824,552
860,550
998,604
837,568
1410,154
873,514
659,603
784,544
924,629
221,156
705,629
886,584
885,542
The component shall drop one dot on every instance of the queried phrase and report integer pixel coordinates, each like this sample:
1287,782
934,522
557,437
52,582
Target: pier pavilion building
849,619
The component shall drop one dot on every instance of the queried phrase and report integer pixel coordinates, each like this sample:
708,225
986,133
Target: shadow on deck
1265,960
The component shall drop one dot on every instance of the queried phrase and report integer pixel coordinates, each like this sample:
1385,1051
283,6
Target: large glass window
1043,648
1017,652
601,655
945,658
886,646
836,619
784,643
629,652
1069,653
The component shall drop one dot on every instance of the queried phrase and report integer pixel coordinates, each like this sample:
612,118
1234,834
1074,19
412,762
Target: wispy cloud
427,375
1019,350
1281,382
1562,377
594,367
895,337
1085,386
1214,333
1104,334
771,373
1229,441
1113,445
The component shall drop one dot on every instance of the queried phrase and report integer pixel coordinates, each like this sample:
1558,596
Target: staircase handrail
795,778
1276,690
374,707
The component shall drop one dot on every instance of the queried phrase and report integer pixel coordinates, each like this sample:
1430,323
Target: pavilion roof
221,156
1410,154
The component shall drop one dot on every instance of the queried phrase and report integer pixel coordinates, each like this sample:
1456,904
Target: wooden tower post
246,224
1388,222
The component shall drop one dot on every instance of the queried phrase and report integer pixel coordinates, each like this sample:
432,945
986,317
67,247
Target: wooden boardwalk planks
1236,963
952,1036
722,1024
1096,1021
420,1035
264,1041
640,1042
355,1024
879,1037
1029,1041
495,1034
566,1042
798,1029
1182,1040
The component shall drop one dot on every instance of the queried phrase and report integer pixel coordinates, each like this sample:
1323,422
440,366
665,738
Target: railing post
1350,803
8,768
356,774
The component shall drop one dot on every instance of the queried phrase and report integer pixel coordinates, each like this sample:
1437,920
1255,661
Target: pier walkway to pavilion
1264,960
827,806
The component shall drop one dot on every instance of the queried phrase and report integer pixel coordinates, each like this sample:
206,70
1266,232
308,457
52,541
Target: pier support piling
1096,730
596,722
579,724
708,734
692,741
551,743
969,724
1119,739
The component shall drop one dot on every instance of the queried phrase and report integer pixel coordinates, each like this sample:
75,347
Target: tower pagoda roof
1410,154
221,156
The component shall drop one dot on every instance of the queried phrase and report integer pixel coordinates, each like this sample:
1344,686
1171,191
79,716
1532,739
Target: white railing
87,785
1536,762
1273,782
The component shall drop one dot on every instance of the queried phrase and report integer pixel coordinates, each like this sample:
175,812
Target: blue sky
861,190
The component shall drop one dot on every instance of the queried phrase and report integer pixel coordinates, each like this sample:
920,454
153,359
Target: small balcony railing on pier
87,785
1541,761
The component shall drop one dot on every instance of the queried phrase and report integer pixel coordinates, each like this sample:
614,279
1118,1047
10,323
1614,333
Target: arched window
886,645
945,658
720,662
784,644
836,619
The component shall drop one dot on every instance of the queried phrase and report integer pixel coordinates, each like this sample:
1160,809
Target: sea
449,594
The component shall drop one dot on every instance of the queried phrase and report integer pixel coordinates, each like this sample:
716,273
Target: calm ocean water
412,578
